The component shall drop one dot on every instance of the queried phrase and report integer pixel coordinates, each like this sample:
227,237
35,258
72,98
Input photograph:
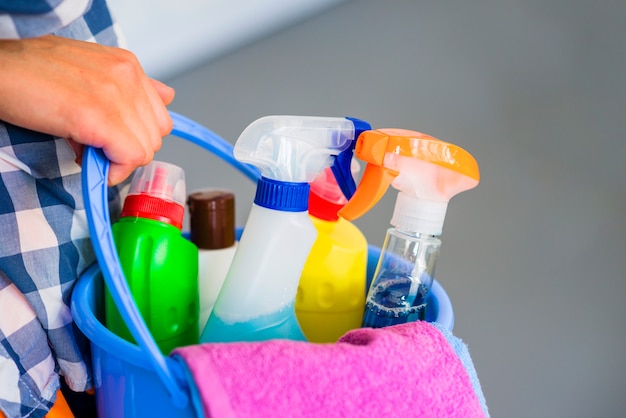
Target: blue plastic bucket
136,380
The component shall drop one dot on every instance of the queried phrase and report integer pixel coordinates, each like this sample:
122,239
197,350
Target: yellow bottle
331,292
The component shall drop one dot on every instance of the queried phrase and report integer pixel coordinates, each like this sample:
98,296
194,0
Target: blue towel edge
462,351
196,398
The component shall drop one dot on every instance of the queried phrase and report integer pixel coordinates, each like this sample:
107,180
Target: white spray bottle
427,172
257,299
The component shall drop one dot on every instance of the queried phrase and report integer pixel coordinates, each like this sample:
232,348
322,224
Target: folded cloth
406,370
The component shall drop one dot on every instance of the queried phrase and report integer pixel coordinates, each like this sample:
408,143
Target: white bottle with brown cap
212,227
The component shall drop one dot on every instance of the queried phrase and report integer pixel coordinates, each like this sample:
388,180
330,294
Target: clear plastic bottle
159,264
402,280
427,173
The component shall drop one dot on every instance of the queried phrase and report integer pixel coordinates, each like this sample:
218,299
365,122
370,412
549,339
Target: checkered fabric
44,242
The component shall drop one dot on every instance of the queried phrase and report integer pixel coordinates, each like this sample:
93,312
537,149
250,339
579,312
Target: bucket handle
95,194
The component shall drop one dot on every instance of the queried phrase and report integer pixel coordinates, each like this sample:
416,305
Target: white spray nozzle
428,172
293,148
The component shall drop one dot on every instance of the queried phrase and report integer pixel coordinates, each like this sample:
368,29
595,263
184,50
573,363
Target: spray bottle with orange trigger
427,172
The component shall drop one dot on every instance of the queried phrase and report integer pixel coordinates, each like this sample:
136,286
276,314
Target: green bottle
159,264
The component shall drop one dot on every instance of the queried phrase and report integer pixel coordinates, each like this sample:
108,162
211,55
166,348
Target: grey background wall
533,259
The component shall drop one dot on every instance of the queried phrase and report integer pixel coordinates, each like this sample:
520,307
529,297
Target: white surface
171,36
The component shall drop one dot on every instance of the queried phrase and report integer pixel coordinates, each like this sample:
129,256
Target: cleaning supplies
160,266
212,229
256,301
427,172
331,292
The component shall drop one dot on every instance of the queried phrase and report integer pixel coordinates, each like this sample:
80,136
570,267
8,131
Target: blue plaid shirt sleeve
44,240
24,19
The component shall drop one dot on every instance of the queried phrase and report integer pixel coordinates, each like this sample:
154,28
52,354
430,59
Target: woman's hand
88,93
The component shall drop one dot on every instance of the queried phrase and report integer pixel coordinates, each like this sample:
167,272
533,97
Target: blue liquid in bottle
388,302
275,325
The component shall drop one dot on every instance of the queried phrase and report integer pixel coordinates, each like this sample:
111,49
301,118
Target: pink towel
408,370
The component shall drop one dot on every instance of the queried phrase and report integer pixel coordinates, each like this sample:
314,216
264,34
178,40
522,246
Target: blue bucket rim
98,334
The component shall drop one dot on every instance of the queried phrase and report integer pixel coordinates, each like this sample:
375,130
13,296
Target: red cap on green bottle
157,191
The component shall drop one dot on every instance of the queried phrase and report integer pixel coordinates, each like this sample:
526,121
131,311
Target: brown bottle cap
212,218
